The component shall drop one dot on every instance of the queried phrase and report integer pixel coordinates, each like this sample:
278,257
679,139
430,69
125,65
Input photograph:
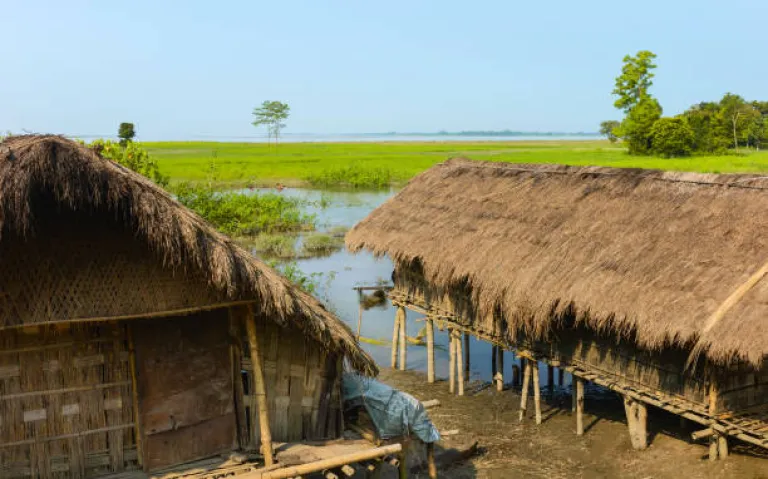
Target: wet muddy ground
552,450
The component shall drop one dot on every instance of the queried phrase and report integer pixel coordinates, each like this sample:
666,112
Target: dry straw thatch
79,179
648,254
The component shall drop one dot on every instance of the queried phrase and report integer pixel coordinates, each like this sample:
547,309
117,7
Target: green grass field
240,164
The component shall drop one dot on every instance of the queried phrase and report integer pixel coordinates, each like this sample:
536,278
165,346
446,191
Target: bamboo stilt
451,362
560,376
432,468
258,386
459,364
359,313
395,339
722,446
135,398
536,391
466,357
430,351
524,393
403,466
493,361
579,406
637,419
403,344
714,439
499,377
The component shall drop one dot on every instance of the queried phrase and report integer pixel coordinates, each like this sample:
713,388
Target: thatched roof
81,180
648,254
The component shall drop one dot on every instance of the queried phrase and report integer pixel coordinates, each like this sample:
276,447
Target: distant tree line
707,127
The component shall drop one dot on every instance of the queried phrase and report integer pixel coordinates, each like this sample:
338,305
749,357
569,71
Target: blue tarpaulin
394,413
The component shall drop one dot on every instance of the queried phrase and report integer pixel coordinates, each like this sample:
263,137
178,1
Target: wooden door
186,399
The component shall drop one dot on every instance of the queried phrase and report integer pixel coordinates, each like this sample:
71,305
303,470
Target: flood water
346,208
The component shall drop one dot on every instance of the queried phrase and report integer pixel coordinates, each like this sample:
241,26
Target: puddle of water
346,208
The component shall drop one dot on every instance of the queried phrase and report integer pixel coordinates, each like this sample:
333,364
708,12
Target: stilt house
134,336
650,283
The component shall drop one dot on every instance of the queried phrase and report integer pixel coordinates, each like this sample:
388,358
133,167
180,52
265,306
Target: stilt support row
398,338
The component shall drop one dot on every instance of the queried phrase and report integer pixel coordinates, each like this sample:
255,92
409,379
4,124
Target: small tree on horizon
126,132
272,114
609,128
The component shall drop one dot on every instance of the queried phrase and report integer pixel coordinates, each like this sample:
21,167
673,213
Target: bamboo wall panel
745,388
303,386
65,402
185,387
89,272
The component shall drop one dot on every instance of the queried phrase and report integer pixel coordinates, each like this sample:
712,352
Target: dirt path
553,450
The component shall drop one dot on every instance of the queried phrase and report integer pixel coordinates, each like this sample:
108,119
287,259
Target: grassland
329,164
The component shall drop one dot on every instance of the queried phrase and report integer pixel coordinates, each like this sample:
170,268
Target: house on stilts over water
649,283
128,326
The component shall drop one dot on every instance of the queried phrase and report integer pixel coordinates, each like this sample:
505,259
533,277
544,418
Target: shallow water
346,208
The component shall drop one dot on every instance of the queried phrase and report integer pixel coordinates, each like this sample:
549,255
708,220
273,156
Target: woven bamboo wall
89,272
65,402
744,389
303,385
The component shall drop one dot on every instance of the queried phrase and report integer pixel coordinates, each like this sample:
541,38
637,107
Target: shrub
276,246
672,137
132,156
321,244
353,176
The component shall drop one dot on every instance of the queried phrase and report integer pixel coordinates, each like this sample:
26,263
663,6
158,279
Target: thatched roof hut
659,257
60,173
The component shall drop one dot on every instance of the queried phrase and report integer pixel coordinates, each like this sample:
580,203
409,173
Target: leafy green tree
739,115
126,132
272,114
133,157
672,137
635,80
636,127
709,128
608,129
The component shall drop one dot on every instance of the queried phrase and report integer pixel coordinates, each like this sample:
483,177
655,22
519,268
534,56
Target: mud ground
552,450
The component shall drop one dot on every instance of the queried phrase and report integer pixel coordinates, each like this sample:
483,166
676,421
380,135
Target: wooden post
395,338
637,422
722,446
135,398
431,460
560,376
451,362
258,386
459,364
430,351
515,375
466,357
499,377
403,346
524,393
403,466
359,312
714,439
579,406
536,391
493,361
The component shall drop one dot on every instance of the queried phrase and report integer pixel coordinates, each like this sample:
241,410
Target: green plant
321,244
133,156
353,176
276,245
272,114
126,132
672,137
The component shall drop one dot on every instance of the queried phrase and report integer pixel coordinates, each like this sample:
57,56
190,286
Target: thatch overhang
663,258
79,179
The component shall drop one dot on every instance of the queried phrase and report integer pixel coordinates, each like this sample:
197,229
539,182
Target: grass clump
321,245
243,214
275,246
353,176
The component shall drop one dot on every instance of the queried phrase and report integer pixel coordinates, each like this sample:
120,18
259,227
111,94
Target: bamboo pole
493,361
324,464
524,392
714,439
403,466
466,357
451,362
431,460
459,363
579,406
499,378
395,338
258,386
560,376
550,380
135,397
403,344
359,313
536,391
430,351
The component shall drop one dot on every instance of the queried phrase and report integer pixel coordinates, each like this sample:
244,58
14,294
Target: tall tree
271,114
608,129
126,132
636,129
739,115
635,80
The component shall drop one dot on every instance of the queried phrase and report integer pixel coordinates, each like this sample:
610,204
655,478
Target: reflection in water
336,209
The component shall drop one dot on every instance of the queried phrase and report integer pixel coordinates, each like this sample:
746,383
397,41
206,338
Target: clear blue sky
187,68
